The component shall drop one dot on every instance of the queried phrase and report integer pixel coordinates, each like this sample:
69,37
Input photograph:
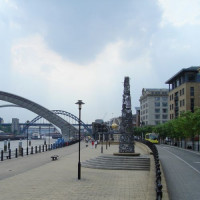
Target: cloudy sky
57,52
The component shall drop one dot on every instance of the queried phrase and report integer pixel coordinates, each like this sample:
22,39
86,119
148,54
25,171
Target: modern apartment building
184,91
153,106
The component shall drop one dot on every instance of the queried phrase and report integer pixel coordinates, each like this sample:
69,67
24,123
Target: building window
157,98
182,91
172,96
157,110
164,104
157,104
192,105
172,106
164,98
191,77
191,91
183,102
164,116
157,122
164,110
157,116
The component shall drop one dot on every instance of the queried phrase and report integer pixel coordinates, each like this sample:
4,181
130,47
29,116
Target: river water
15,143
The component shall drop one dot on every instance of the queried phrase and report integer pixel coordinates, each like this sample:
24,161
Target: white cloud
179,13
97,82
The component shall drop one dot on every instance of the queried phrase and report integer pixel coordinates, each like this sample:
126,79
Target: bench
55,157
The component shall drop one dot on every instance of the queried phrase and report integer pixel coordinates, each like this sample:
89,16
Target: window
191,77
164,104
157,110
157,116
164,116
182,91
157,122
164,98
191,91
172,106
192,105
157,104
183,102
164,110
157,98
172,96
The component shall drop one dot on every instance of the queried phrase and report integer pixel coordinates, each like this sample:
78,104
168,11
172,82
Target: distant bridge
41,111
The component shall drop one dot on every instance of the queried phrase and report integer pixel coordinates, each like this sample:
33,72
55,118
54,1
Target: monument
126,141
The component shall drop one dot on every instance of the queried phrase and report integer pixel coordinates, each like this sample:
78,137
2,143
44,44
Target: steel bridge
42,112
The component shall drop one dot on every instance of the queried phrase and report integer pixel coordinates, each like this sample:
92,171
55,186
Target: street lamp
27,123
80,103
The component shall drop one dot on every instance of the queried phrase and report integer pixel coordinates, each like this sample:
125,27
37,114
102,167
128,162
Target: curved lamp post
79,103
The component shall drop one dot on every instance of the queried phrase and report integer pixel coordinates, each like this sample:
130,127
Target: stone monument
126,141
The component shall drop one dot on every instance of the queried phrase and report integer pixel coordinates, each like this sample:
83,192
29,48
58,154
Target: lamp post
79,103
27,137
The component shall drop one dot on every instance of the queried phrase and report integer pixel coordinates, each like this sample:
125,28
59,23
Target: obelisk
126,141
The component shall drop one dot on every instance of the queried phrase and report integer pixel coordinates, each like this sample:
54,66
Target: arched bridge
59,112
39,110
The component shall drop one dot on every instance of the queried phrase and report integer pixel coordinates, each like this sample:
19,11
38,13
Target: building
137,123
153,106
15,128
1,120
184,91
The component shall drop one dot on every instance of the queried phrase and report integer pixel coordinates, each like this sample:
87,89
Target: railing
33,150
157,167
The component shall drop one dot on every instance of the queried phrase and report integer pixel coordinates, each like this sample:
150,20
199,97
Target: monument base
126,154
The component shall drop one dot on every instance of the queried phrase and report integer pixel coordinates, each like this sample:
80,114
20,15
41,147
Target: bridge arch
39,110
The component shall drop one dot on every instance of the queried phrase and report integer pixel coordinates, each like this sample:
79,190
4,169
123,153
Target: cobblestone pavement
57,180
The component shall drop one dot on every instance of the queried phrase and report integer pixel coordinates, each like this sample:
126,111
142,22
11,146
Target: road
182,171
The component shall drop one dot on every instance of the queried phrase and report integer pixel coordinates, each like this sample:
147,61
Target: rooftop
190,69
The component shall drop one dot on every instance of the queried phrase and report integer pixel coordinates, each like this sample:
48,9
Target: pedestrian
92,143
95,143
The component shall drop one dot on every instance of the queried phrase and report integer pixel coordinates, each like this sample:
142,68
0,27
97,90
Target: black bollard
35,149
22,151
16,153
27,151
9,154
40,149
46,147
32,150
1,155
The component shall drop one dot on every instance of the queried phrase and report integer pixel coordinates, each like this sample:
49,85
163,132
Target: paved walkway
57,180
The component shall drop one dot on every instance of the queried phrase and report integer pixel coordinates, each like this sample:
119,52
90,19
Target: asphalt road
182,171
19,165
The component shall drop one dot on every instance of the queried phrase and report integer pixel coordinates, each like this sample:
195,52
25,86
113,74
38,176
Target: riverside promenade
37,177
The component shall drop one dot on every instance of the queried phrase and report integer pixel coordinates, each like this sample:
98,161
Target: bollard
35,149
51,146
32,150
16,153
5,145
39,148
1,155
8,143
46,147
26,150
22,152
9,154
20,147
42,148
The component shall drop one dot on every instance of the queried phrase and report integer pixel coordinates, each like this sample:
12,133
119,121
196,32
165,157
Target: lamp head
80,103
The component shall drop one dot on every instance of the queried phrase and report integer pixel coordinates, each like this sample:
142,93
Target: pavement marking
180,148
183,161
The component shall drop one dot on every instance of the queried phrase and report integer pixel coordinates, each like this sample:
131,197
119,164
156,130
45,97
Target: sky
57,52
